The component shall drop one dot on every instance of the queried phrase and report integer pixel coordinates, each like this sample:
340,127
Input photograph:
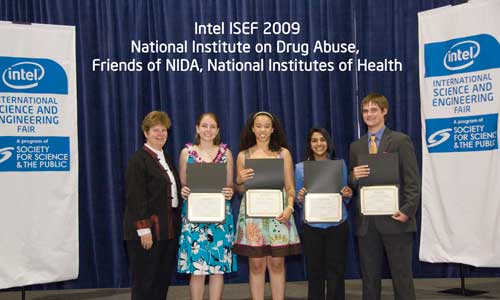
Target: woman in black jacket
152,221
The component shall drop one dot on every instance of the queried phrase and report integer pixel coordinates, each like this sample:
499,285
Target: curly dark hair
278,137
330,150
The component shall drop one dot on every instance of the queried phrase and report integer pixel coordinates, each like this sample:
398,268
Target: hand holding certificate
206,203
379,193
264,197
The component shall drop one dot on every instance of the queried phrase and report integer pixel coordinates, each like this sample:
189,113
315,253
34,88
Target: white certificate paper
206,208
323,207
379,200
264,203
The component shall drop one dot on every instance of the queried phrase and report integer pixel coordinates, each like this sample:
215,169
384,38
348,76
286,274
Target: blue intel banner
38,154
32,75
467,54
460,109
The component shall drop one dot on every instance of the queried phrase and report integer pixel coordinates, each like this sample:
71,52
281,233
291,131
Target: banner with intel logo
38,154
467,54
34,75
460,106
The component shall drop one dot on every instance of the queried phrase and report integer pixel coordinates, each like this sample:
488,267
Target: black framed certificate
264,195
323,181
206,203
379,192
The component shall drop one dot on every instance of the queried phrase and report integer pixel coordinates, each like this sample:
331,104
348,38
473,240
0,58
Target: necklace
207,155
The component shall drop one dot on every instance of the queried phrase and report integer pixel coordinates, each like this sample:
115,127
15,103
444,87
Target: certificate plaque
206,208
323,207
264,203
379,200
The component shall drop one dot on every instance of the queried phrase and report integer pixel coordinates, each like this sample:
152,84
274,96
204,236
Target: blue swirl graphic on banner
462,134
34,154
462,55
32,75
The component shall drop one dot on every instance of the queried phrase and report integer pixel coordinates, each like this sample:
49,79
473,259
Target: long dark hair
277,139
330,150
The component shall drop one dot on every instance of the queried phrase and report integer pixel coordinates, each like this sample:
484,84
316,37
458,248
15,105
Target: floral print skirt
206,248
259,237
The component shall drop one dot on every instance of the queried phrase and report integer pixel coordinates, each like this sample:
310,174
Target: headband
255,115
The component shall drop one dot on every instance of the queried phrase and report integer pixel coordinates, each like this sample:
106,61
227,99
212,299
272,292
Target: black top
149,197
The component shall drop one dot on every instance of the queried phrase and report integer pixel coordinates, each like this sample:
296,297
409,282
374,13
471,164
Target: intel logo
461,55
23,75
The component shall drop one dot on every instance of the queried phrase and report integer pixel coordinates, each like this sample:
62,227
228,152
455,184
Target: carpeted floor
427,289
